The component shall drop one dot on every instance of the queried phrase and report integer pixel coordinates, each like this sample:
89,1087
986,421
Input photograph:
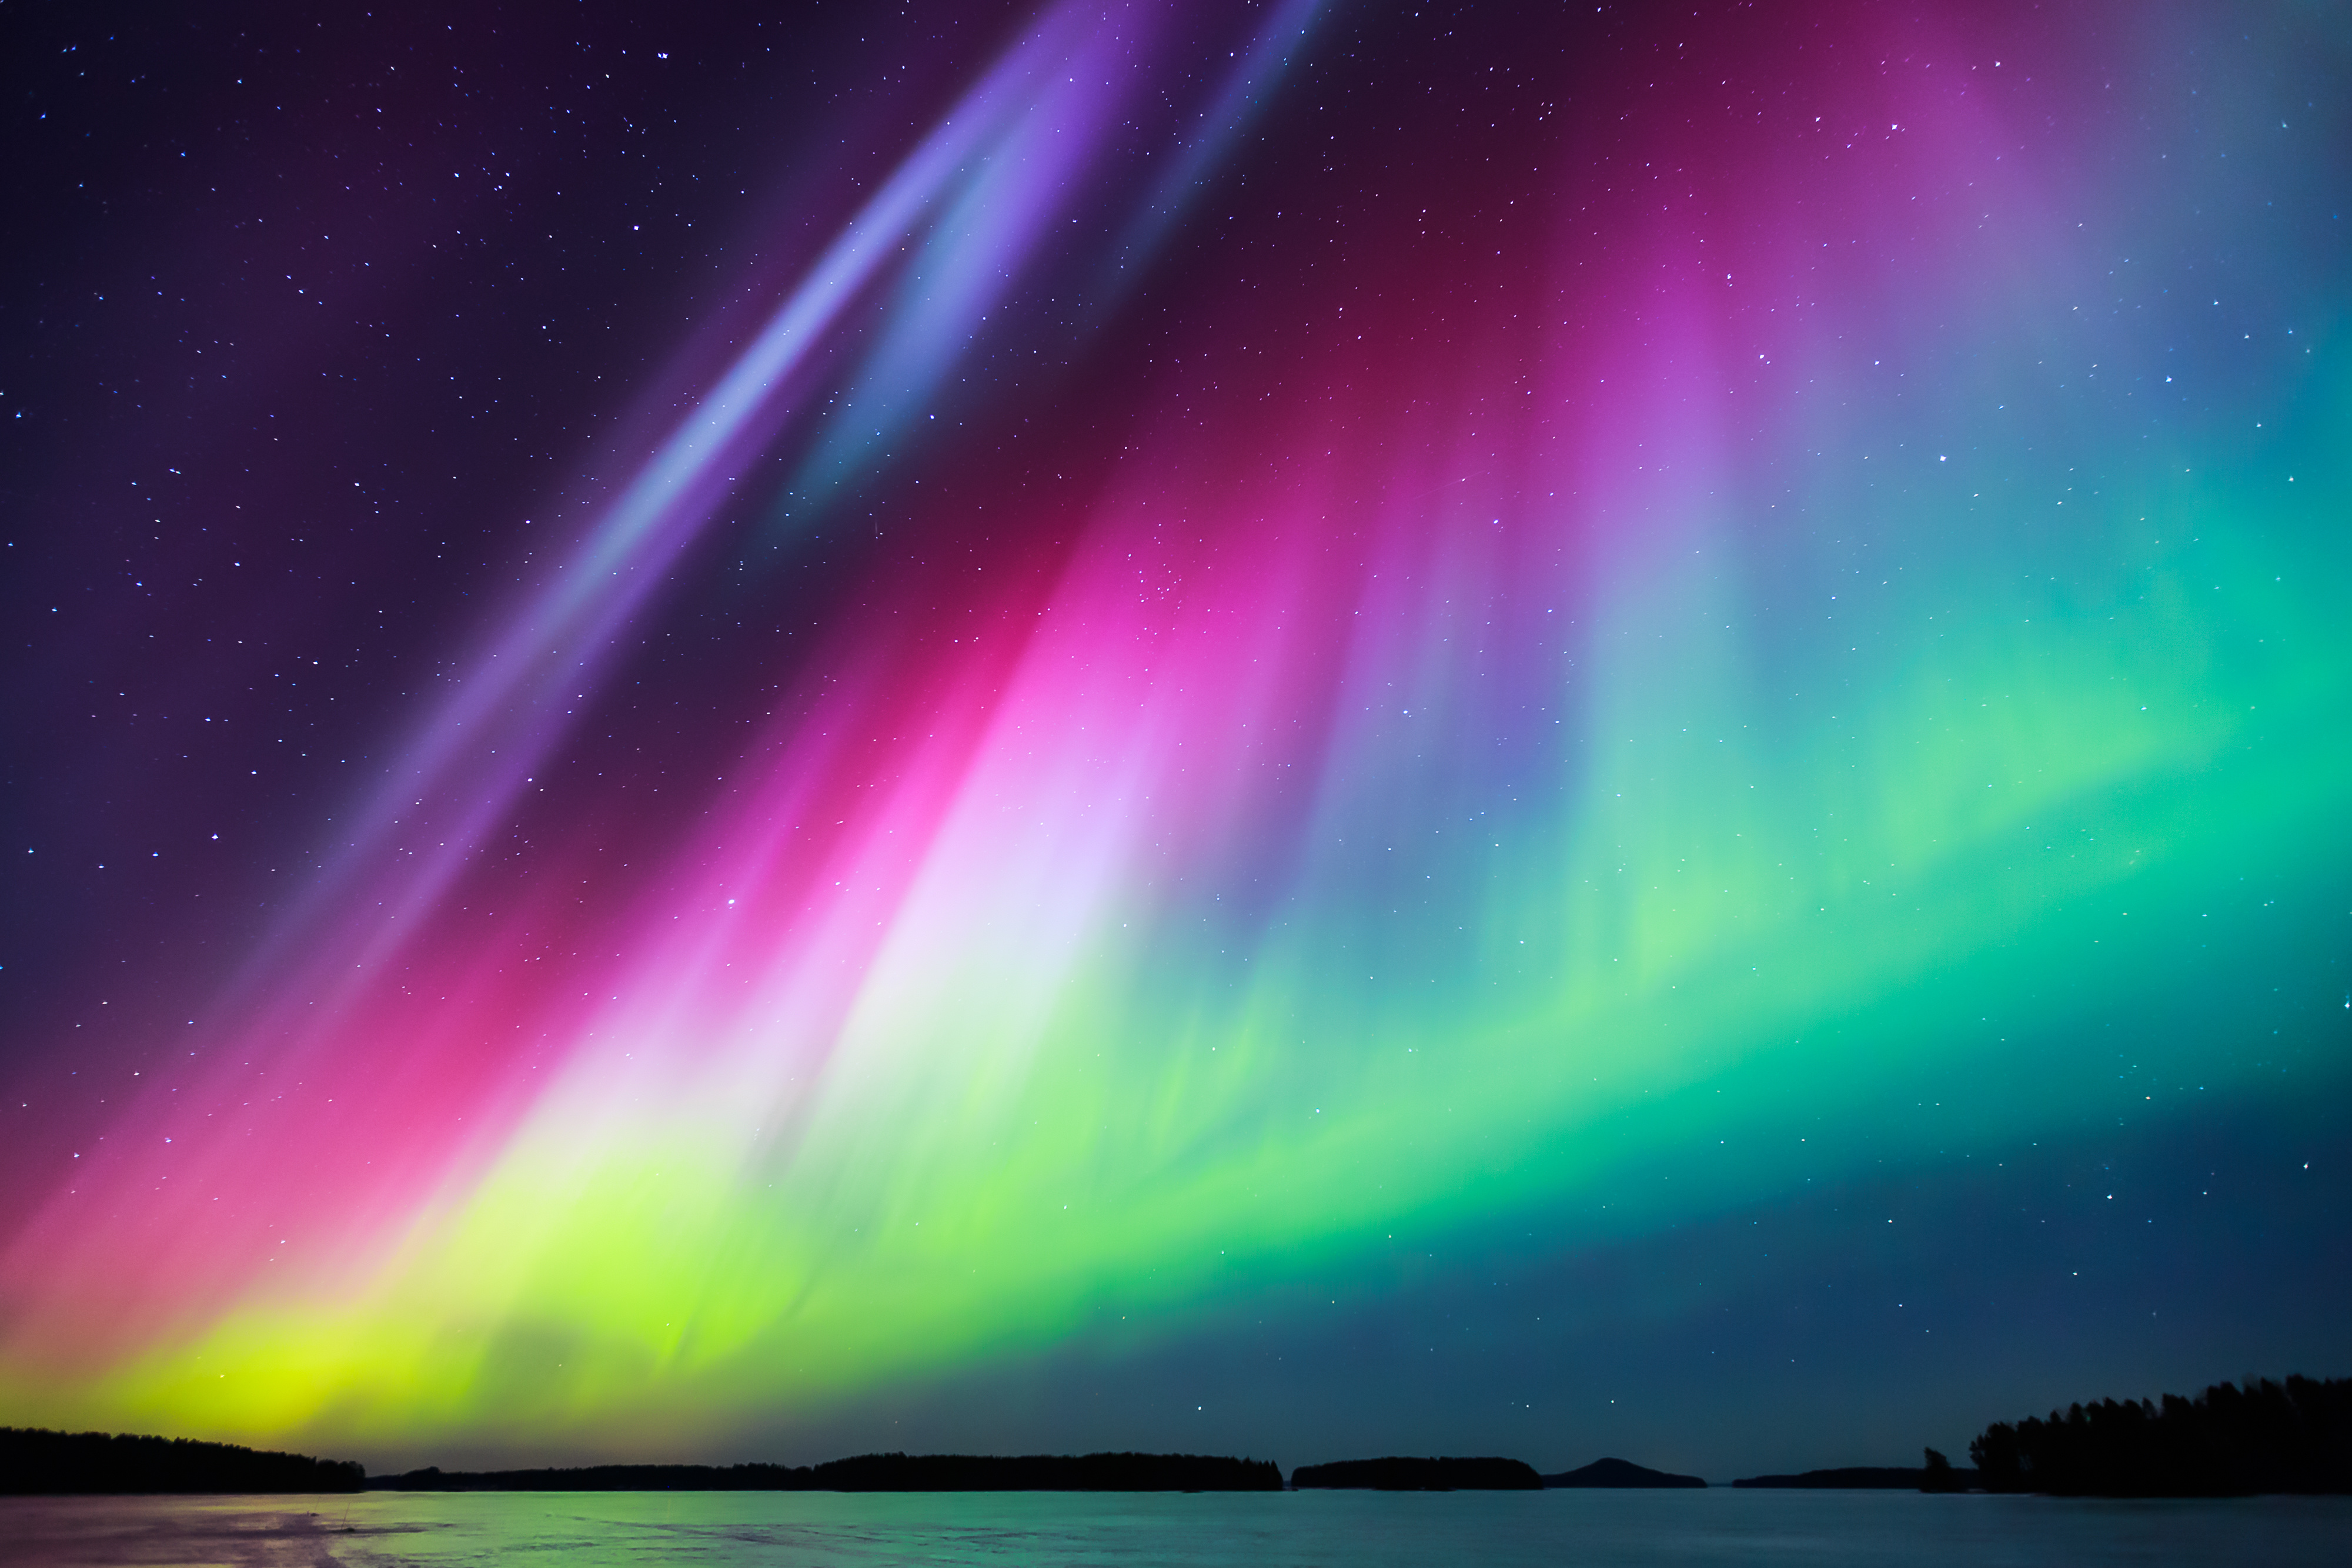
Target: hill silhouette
1620,1473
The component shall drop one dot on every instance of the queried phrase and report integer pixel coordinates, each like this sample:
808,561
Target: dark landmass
35,1460
876,1472
1940,1477
1851,1478
603,1478
1618,1473
2229,1441
1422,1475
1048,1473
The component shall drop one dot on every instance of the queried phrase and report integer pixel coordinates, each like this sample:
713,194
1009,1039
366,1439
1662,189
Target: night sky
1305,728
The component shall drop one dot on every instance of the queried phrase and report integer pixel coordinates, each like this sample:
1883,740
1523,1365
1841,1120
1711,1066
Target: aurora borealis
1224,727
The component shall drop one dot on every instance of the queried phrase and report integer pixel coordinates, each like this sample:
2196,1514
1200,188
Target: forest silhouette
33,1459
2230,1441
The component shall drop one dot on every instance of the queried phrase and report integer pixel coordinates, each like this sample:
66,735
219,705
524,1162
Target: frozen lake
1268,1529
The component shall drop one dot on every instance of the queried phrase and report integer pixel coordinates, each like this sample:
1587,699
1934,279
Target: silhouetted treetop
2294,1437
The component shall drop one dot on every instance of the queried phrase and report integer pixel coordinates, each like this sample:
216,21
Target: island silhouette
1620,1473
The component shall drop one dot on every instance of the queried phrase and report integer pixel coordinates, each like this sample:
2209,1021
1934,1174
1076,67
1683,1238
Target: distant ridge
1422,1475
1851,1478
876,1472
35,1460
1620,1473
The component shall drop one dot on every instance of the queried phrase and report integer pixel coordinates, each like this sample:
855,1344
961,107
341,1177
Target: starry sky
1301,729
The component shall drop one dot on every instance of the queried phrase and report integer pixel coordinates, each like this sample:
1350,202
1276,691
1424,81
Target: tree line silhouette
2294,1437
33,1459
2230,1441
877,1472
